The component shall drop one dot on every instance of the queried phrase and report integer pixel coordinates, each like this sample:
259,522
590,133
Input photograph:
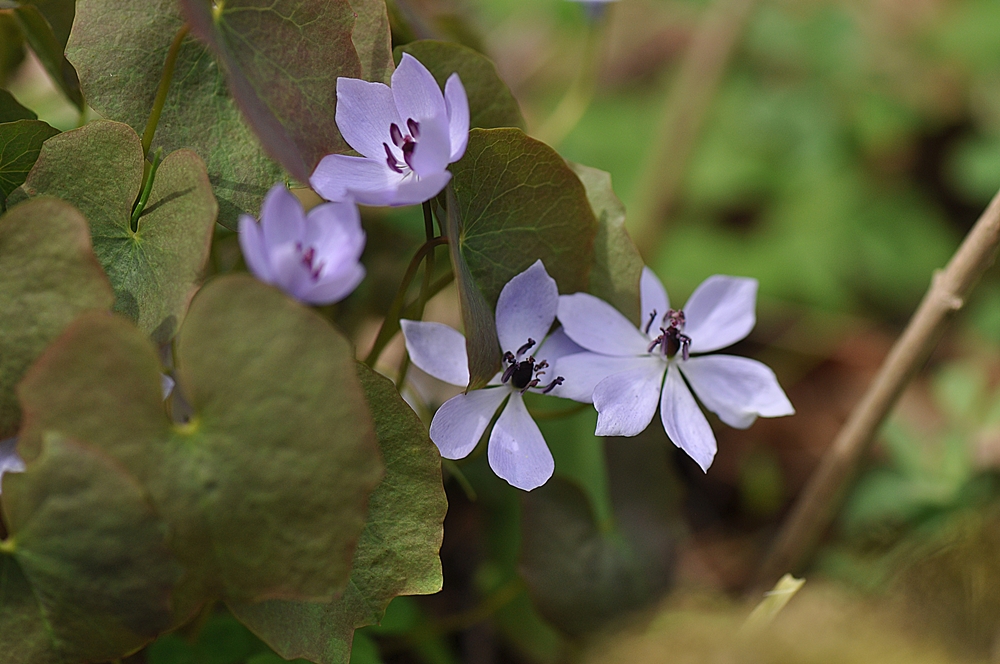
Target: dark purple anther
391,159
551,386
414,128
396,134
652,316
525,348
408,154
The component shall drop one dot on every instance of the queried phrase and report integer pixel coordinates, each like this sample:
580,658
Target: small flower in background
407,134
525,311
595,8
313,257
10,462
623,374
167,385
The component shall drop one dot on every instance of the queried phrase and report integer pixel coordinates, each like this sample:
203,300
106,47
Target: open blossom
517,451
407,134
313,257
623,374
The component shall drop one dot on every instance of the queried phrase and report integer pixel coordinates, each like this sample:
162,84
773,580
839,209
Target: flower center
308,258
671,339
526,373
407,143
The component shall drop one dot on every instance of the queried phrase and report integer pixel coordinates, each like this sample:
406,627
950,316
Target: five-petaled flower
315,257
517,451
623,374
407,134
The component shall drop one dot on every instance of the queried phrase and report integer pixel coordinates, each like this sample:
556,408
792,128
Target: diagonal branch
819,501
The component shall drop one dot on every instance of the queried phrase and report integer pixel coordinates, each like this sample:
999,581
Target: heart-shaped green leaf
119,47
48,276
154,270
516,202
20,143
617,268
265,487
86,573
282,59
398,550
491,104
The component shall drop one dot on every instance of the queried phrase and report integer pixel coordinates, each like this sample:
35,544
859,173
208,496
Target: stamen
523,349
509,371
396,134
391,159
408,153
551,386
650,323
656,342
414,128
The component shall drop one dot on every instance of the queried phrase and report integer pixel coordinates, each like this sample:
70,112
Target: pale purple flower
313,257
623,374
407,134
517,451
10,462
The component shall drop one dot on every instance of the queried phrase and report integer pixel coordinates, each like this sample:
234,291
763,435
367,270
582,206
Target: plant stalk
161,92
391,323
819,501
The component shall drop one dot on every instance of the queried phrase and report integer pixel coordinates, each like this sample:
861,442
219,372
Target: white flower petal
417,95
626,401
582,372
684,422
653,297
364,112
597,326
10,462
334,231
432,153
720,312
526,308
369,182
457,103
334,288
556,345
737,389
254,252
281,217
438,350
460,422
517,450
413,190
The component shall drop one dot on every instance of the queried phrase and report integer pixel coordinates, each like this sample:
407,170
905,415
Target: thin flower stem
684,111
410,310
822,496
147,187
161,92
425,287
460,477
571,108
391,323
